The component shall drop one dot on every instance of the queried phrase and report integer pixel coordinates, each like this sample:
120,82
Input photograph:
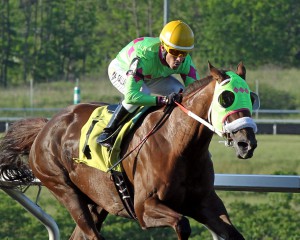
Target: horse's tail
15,146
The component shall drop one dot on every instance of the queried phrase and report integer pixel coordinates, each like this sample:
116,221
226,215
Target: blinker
230,95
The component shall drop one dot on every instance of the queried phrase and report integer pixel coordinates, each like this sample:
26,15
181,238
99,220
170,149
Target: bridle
227,128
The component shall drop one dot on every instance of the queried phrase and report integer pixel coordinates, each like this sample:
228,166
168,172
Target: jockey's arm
134,96
191,74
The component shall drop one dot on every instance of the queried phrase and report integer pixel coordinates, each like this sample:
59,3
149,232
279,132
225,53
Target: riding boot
105,138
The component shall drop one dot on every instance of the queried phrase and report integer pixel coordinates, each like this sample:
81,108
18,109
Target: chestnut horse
171,173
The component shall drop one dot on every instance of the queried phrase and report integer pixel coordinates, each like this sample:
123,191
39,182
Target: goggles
177,53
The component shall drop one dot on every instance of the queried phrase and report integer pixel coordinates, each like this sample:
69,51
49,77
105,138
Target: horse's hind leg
78,206
54,177
98,214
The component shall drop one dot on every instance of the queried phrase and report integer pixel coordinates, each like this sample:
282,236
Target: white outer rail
257,183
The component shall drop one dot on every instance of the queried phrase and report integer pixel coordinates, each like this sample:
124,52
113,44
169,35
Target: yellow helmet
177,35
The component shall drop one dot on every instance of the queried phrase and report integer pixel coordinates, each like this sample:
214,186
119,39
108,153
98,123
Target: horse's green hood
241,99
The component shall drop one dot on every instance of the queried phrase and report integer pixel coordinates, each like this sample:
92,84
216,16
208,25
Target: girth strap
125,194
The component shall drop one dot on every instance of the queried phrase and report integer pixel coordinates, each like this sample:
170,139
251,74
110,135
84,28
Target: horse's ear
216,73
241,70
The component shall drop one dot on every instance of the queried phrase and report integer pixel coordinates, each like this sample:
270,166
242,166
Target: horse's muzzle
245,150
244,143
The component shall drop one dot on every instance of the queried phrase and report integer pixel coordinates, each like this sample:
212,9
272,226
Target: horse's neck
179,125
188,130
198,99
180,140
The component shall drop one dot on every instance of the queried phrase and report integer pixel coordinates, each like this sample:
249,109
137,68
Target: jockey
142,71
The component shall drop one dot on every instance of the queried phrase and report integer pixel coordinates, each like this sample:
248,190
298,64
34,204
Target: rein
199,119
160,122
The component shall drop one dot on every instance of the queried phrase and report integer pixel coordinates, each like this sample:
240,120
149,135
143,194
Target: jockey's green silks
149,67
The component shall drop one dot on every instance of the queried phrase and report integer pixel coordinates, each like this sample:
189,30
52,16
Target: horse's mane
197,84
200,84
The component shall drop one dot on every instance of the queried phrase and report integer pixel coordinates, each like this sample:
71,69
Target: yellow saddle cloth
94,155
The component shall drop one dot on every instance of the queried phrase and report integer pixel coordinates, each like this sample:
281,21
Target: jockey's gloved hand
169,100
174,97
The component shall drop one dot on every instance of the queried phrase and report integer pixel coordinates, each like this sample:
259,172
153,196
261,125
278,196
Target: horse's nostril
242,145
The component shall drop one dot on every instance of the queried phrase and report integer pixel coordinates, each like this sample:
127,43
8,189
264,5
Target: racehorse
171,172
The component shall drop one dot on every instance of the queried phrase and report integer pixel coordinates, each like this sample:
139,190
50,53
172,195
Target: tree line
50,40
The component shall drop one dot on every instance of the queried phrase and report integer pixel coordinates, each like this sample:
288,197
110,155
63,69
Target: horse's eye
226,99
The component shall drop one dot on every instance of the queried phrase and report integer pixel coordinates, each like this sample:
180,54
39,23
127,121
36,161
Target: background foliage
50,40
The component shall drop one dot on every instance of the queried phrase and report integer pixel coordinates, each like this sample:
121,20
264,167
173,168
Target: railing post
166,11
36,211
274,129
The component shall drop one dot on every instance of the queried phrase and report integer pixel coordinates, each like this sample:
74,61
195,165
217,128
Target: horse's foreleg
212,213
222,230
152,213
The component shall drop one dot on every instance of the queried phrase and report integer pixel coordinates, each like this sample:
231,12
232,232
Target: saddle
102,158
94,155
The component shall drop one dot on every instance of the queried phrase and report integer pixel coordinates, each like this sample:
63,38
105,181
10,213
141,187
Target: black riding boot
105,138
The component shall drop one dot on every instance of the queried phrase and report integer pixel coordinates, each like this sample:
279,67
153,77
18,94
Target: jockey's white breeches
158,86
